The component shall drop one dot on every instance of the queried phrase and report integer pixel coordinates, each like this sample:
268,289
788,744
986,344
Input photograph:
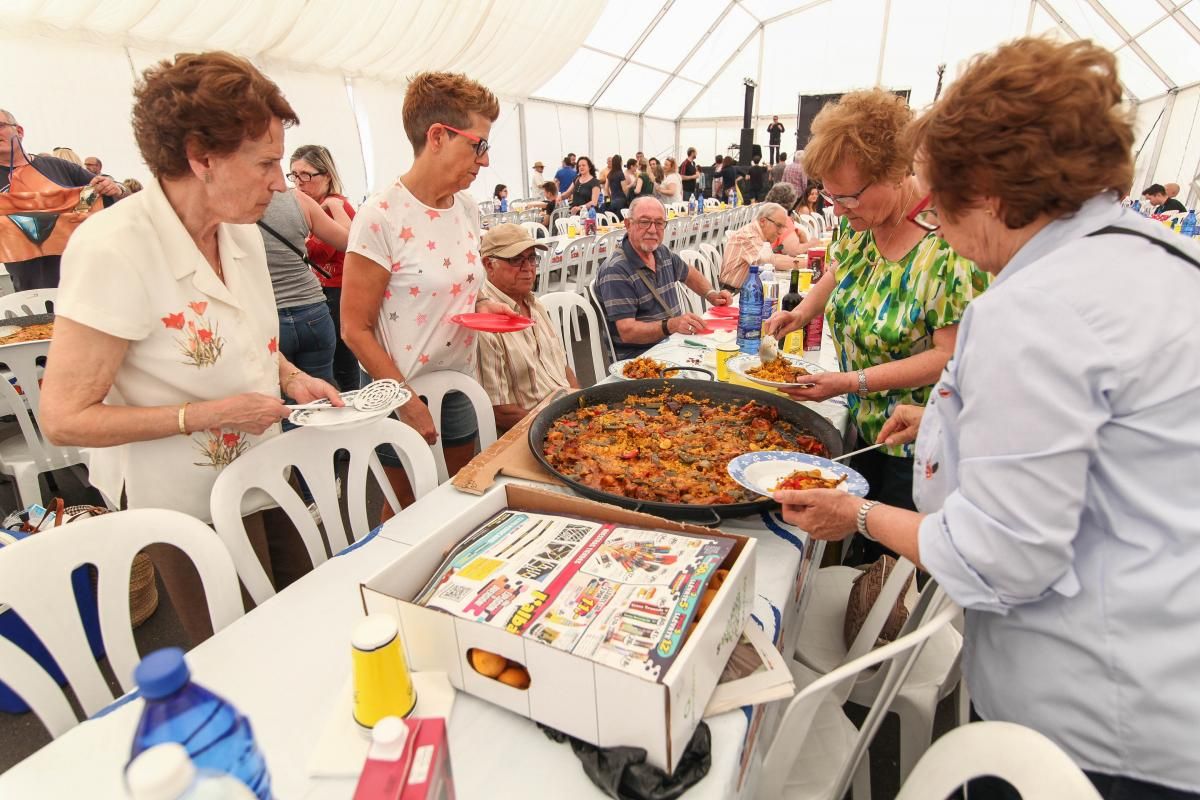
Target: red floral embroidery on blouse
272,346
174,321
200,306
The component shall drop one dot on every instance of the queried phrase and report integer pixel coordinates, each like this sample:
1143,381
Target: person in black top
47,173
756,181
725,179
1163,204
584,191
618,185
774,131
688,173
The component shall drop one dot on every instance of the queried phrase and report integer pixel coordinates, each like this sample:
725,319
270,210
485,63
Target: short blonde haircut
446,97
1038,124
865,129
67,154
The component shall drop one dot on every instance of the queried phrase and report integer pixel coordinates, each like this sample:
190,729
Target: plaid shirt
522,367
625,296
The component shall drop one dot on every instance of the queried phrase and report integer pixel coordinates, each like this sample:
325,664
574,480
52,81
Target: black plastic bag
622,772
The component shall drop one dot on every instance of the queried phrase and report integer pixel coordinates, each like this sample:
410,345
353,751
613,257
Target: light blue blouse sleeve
1032,377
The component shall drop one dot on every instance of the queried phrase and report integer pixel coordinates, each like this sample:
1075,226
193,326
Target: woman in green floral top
895,291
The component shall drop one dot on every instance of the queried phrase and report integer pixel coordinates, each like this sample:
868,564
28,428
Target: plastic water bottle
750,303
600,202
1137,206
216,735
692,204
732,198
166,772
1188,228
503,205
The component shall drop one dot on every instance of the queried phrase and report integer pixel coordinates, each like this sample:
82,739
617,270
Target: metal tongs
768,349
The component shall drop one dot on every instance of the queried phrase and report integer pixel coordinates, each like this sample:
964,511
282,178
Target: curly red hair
213,100
1037,124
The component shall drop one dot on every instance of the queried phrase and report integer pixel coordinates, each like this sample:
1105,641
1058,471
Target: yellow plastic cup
805,279
571,231
725,351
382,684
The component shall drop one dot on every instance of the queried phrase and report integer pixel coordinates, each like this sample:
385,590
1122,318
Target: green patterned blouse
883,311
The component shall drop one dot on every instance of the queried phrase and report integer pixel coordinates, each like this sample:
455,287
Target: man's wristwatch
861,518
665,330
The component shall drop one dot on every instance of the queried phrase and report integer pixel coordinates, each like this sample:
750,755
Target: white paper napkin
342,746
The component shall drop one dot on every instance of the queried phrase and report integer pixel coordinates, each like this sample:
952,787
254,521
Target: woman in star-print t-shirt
413,262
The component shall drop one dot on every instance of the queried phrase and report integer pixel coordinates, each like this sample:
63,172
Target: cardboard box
598,704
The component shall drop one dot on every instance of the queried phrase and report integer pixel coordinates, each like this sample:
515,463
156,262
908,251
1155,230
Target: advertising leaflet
619,596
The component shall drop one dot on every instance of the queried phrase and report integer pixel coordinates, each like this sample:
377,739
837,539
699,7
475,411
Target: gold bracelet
288,381
183,419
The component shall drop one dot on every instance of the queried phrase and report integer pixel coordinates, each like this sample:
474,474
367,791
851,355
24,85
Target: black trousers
890,478
773,149
1110,787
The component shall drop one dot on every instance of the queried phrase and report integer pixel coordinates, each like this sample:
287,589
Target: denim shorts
458,424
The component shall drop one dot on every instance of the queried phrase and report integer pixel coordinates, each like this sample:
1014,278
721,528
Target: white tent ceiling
603,77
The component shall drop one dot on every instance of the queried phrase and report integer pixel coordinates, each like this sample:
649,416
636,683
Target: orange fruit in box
485,663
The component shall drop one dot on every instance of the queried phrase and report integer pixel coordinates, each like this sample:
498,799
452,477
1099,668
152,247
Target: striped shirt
626,296
523,367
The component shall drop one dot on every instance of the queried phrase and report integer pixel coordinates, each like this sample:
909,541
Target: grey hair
645,198
8,115
798,157
767,209
784,194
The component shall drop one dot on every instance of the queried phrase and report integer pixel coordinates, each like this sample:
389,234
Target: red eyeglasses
925,215
481,145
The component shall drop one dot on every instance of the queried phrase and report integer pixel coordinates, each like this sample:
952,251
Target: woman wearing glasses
413,260
315,174
1057,457
894,292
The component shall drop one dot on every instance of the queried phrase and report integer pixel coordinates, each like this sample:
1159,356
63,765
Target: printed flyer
620,596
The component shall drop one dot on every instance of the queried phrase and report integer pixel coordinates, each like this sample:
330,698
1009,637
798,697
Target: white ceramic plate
327,416
741,364
761,471
615,369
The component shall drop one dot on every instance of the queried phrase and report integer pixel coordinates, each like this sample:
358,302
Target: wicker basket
143,593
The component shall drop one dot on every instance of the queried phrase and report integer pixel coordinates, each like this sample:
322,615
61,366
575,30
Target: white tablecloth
284,663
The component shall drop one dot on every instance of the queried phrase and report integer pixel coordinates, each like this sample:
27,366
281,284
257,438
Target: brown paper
509,455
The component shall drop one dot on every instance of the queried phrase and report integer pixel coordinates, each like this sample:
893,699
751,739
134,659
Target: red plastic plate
492,323
724,312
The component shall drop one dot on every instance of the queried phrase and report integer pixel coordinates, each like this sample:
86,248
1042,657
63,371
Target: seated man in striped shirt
518,369
638,285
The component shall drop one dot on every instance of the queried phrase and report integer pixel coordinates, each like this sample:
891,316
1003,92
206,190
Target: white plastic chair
35,579
312,451
1034,765
624,213
817,753
562,307
434,386
593,299
821,647
24,304
562,223
574,256
25,456
536,230
694,259
712,260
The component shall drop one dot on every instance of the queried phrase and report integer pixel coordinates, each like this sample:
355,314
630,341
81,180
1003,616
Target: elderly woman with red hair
1057,458
165,353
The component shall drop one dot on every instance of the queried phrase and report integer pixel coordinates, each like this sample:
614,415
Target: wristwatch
861,518
665,330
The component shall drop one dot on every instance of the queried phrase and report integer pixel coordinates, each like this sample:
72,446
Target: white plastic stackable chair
564,309
35,580
712,260
28,303
594,301
1035,766
821,647
574,254
312,452
817,753
27,455
536,230
591,260
562,223
624,213
694,259
434,386
549,262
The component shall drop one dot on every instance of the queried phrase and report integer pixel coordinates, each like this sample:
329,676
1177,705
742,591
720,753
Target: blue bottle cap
161,673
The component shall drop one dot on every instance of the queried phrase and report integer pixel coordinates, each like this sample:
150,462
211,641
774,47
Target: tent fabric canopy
604,77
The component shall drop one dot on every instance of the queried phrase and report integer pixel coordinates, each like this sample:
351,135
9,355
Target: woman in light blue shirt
1058,461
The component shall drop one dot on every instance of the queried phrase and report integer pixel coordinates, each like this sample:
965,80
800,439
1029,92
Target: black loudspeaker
747,147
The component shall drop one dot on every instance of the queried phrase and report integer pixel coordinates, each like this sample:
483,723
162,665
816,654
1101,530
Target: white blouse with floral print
134,272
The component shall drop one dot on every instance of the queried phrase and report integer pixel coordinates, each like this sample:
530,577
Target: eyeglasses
646,224
4,124
777,224
845,200
302,177
529,260
925,215
481,145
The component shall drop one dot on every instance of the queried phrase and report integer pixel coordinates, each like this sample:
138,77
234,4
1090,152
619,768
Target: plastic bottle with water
217,737
692,204
166,772
732,198
1188,228
750,305
1136,206
503,205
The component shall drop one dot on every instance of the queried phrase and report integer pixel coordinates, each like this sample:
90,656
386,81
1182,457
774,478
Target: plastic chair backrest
802,708
594,299
434,386
712,259
26,361
24,304
536,230
312,451
1033,764
562,308
35,579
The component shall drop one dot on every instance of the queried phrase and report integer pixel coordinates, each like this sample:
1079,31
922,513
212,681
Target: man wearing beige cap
518,369
536,179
